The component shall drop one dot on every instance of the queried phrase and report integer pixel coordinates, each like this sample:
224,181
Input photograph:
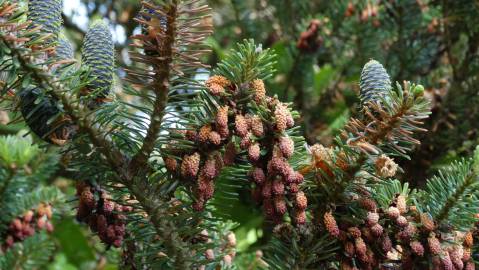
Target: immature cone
204,133
254,152
259,90
393,212
281,114
300,217
222,117
216,84
47,14
417,248
98,56
377,230
330,224
286,145
190,165
280,205
401,204
301,201
446,261
372,218
241,125
64,49
374,82
434,245
257,126
360,246
214,138
468,240
171,164
44,117
258,175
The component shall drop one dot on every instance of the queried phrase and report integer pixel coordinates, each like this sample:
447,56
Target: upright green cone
98,56
374,82
47,14
64,49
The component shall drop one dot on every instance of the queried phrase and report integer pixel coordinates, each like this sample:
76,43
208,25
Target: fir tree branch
161,86
58,91
151,203
459,194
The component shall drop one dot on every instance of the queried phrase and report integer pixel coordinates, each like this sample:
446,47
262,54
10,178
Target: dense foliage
272,140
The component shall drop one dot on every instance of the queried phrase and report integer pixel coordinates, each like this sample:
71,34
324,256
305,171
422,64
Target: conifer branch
161,83
60,92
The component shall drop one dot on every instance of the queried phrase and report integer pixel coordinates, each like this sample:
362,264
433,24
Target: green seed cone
374,82
64,49
42,115
47,14
98,56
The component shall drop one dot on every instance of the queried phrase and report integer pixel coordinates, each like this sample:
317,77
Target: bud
214,138
228,260
434,244
355,232
456,255
293,188
372,218
377,230
209,169
281,114
466,255
470,266
402,221
301,201
171,164
401,204
386,244
393,212
190,165
259,90
349,248
216,84
417,248
286,145
231,237
418,90
258,175
360,246
368,204
278,187
468,240
257,126
280,205
300,217
28,216
241,126
330,224
254,152
446,261
87,198
266,191
204,133
222,117
245,141
210,254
